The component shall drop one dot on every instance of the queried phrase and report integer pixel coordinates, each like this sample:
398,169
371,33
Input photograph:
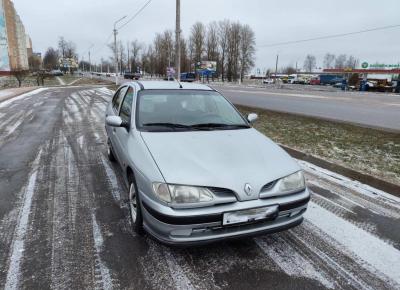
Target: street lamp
115,48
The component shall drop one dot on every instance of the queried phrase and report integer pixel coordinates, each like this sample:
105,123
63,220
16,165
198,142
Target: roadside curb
30,89
377,183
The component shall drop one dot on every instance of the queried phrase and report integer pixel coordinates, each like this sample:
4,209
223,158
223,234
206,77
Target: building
15,44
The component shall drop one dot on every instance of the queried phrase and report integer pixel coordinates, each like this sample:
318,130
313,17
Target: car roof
170,85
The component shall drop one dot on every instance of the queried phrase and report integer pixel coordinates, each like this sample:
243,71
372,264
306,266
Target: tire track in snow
290,260
181,281
112,180
18,245
382,257
102,273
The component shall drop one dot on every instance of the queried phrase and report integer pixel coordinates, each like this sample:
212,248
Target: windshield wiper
220,126
168,125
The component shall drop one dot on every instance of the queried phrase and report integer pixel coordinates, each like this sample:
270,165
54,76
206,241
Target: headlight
292,183
181,193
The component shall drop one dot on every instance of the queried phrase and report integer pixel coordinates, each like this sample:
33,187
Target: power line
123,25
135,15
331,36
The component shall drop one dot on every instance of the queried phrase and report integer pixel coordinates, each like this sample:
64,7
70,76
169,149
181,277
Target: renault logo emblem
248,189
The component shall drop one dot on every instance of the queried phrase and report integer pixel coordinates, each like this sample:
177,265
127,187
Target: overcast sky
87,22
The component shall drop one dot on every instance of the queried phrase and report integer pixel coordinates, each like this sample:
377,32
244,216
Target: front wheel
135,209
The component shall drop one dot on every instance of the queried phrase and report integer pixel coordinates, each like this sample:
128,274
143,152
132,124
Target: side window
118,98
126,108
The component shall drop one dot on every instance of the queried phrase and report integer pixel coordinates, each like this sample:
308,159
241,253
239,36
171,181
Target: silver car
197,171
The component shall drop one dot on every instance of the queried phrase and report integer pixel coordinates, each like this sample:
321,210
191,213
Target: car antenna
180,85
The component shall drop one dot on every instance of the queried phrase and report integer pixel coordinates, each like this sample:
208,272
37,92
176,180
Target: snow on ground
18,245
8,102
375,252
61,81
346,182
104,277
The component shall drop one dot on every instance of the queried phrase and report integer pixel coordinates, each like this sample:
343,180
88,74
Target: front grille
268,186
223,192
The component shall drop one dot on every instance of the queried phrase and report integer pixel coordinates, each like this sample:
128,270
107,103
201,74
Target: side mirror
115,121
252,117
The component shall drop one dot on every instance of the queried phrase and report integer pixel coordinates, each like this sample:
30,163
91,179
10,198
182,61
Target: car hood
223,159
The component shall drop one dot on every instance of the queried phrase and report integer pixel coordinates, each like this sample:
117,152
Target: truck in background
330,79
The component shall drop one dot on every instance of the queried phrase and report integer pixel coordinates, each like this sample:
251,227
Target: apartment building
15,44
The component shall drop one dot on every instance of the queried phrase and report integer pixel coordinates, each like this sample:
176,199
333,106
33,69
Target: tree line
230,44
331,61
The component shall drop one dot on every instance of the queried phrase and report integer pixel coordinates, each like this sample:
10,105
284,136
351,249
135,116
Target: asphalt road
64,218
367,109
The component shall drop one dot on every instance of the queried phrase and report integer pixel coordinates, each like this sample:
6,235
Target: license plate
249,215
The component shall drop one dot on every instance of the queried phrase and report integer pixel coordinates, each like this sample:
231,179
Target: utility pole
116,49
276,67
129,60
90,66
178,40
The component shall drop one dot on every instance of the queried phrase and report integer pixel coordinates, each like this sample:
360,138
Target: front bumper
204,225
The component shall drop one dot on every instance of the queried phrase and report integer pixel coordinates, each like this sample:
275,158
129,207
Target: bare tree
198,33
310,63
62,46
329,60
185,61
233,51
20,75
223,36
247,49
50,60
212,42
352,62
340,61
70,50
289,70
135,49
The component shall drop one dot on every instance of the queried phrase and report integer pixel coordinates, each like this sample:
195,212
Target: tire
110,152
135,209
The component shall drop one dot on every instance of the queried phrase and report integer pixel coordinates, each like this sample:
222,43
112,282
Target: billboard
206,67
4,60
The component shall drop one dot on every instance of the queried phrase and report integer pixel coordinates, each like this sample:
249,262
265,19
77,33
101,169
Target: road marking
307,96
18,246
392,104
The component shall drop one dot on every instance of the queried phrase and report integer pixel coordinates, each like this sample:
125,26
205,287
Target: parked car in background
330,79
132,75
188,77
196,169
268,81
56,72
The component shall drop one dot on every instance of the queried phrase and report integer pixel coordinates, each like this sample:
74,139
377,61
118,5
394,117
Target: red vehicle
315,81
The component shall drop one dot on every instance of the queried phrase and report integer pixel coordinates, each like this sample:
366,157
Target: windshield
186,110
